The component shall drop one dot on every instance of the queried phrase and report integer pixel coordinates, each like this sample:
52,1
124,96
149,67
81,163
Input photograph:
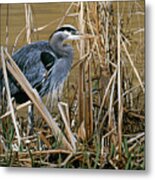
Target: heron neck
62,50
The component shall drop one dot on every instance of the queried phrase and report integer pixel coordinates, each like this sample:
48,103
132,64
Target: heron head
66,32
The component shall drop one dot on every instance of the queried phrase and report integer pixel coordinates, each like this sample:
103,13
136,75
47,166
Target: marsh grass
101,122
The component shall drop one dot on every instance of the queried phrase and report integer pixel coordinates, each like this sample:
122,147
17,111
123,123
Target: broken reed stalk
59,165
106,94
7,27
89,104
28,20
18,108
45,26
138,136
66,14
17,38
44,139
119,83
35,98
107,48
67,126
88,85
140,141
50,151
9,97
133,66
111,124
81,70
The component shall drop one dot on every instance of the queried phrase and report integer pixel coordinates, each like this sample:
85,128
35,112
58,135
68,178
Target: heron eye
73,32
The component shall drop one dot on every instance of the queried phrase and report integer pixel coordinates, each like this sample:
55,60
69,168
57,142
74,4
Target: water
43,13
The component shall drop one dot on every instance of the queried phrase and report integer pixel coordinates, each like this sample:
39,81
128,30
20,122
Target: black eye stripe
69,29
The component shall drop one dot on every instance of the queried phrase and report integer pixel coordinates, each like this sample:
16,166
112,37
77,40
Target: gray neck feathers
59,48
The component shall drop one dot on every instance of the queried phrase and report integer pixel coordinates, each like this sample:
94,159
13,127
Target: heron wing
28,59
48,59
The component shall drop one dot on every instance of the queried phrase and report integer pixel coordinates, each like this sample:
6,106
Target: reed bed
100,122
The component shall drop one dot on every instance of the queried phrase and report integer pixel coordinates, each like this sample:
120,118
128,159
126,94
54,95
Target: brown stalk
81,68
45,26
7,27
133,66
51,151
63,163
105,136
142,139
119,85
9,97
106,94
43,138
17,38
111,122
91,26
65,15
18,108
107,37
138,136
89,104
67,125
28,19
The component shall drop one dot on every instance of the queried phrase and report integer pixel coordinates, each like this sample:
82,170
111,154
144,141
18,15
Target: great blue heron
45,64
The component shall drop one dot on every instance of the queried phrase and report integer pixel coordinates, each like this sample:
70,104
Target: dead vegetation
101,121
